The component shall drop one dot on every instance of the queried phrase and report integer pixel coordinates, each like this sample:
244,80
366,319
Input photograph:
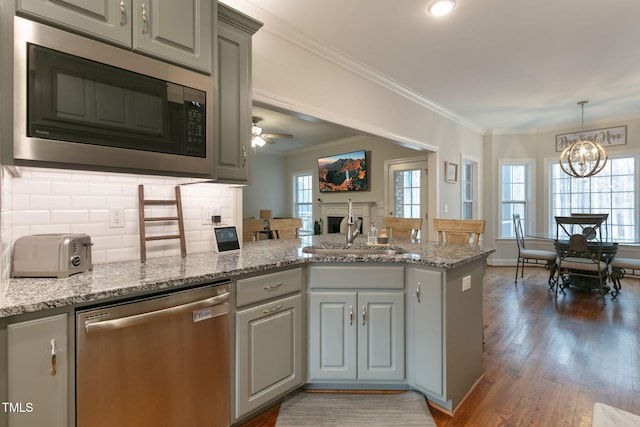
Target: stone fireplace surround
337,211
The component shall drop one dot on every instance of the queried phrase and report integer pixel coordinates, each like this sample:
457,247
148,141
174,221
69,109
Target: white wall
64,201
269,186
540,147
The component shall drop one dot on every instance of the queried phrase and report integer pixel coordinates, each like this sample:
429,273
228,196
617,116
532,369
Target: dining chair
621,267
581,259
459,230
285,228
403,228
252,229
266,214
532,256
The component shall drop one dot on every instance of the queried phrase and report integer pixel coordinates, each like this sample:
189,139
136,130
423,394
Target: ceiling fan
259,138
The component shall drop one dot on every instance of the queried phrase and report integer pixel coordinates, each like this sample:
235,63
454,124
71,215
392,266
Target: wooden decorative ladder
142,202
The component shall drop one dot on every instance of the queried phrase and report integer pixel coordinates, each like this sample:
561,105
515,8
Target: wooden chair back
252,229
265,214
285,228
403,228
459,230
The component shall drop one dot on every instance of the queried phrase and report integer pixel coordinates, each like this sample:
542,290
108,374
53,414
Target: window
612,191
407,193
515,188
468,189
302,200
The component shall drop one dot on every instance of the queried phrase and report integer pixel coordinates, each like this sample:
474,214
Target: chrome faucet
353,226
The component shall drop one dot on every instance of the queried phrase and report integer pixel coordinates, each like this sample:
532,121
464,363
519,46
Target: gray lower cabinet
356,335
425,332
444,331
356,324
233,128
174,31
269,340
38,372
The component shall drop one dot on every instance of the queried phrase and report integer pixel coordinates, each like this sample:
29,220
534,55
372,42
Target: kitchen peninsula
425,300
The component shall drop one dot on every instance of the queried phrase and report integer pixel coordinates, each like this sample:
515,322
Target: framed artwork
450,172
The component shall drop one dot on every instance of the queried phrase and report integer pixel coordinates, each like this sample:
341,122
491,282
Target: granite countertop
122,279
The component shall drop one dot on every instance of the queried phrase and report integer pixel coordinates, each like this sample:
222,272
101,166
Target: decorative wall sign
450,172
606,137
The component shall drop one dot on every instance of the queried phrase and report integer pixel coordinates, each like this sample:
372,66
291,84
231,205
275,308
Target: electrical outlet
116,218
466,283
207,215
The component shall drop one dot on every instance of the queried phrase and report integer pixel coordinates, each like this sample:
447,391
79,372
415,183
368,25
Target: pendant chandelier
583,158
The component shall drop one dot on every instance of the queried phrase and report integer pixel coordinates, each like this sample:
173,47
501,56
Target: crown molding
277,101
289,33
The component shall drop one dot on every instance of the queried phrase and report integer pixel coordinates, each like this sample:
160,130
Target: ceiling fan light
258,141
441,7
256,130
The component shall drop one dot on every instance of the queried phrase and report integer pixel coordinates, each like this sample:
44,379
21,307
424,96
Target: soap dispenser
372,234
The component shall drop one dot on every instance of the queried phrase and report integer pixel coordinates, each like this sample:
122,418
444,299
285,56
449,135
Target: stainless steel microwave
82,103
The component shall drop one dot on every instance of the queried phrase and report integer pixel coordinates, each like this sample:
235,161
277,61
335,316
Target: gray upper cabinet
232,138
178,32
109,20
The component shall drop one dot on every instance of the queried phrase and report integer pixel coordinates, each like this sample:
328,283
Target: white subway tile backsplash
69,216
42,201
62,201
75,188
28,217
49,228
25,186
88,202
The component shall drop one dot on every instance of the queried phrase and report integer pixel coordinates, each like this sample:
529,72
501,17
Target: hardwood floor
547,361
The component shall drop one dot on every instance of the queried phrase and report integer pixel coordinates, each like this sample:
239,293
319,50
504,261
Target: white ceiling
498,65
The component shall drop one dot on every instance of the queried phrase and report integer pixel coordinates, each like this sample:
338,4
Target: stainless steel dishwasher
157,361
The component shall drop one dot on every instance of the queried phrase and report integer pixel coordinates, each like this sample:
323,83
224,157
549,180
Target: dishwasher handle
136,319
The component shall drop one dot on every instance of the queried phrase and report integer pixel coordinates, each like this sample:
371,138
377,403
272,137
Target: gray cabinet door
381,336
107,19
176,31
332,336
34,385
425,331
268,352
233,127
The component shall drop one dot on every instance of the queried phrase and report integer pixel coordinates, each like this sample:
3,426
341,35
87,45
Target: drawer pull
272,287
418,292
53,358
272,310
350,315
364,315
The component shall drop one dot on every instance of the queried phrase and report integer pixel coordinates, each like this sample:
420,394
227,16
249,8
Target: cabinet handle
145,19
273,310
244,156
418,292
123,13
364,314
53,358
350,315
271,287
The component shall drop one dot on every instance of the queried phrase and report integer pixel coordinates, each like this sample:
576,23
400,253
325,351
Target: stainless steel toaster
51,255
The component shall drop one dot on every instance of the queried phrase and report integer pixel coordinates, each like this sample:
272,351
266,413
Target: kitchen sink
329,249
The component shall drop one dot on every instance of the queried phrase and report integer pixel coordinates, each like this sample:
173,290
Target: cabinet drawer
356,277
268,286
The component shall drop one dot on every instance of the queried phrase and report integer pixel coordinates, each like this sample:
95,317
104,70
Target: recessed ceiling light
441,7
